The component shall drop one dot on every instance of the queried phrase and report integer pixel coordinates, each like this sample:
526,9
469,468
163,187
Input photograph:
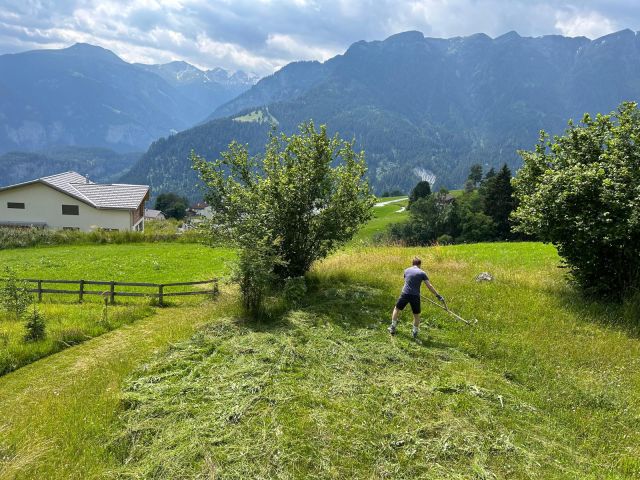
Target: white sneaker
392,329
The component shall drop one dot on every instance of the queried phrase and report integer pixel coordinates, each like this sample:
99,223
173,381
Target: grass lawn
68,322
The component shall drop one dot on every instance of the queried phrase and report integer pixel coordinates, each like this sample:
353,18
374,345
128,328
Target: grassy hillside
384,215
69,322
546,385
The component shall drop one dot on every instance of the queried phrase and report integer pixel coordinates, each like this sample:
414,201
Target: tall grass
154,232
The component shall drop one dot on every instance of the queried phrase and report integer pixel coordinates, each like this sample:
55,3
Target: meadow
546,385
68,322
382,217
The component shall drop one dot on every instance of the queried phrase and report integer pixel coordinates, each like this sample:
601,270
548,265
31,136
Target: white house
70,201
201,209
151,215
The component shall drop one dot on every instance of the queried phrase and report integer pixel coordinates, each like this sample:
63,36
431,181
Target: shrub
14,294
294,290
581,192
306,197
35,325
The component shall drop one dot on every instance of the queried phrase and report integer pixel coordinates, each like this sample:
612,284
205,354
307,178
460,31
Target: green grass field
68,322
382,217
546,385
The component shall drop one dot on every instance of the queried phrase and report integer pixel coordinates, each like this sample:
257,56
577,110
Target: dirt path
382,204
65,406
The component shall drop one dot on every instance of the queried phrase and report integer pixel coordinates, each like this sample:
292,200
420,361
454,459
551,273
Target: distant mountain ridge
87,96
419,106
100,164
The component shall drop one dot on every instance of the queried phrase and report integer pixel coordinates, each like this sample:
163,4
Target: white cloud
263,35
589,24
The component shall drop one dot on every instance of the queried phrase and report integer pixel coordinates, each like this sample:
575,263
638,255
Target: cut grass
57,415
546,386
68,322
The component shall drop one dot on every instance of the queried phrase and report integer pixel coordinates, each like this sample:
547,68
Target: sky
260,36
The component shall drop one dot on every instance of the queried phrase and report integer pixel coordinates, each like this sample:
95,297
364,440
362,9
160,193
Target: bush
14,294
295,289
306,197
581,192
35,325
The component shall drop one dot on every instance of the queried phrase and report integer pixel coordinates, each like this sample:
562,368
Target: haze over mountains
419,105
89,97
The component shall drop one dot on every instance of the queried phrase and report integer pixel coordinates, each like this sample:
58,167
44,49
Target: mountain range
100,164
419,107
87,96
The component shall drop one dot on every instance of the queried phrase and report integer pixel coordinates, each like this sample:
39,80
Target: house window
15,205
70,210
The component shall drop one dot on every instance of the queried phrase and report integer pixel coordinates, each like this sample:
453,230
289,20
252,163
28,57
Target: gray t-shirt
413,278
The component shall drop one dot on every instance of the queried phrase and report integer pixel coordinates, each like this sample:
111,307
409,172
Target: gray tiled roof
118,196
113,196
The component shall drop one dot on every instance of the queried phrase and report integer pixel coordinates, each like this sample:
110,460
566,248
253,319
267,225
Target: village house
152,215
70,201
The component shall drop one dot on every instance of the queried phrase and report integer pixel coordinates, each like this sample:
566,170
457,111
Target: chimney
86,179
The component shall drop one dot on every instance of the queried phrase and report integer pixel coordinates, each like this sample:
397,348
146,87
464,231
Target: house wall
44,204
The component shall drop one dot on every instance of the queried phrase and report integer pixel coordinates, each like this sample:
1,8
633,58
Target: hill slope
422,105
101,164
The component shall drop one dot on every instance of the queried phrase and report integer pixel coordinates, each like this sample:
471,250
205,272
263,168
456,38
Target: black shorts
413,300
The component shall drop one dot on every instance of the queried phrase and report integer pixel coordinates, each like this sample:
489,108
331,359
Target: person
413,278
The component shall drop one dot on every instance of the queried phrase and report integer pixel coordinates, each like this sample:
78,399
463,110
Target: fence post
112,293
160,291
216,290
81,290
39,290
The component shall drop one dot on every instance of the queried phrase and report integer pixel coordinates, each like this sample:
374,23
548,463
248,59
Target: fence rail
111,293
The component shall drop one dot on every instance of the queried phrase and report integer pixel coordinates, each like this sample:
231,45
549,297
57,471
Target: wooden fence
111,292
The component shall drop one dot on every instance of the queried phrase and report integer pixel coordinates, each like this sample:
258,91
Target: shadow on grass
621,316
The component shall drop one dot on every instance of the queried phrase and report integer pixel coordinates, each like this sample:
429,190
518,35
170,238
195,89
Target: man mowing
413,278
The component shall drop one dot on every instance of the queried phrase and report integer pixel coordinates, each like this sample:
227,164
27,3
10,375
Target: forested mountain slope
420,106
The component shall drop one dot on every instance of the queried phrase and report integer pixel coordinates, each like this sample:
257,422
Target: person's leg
416,324
394,321
415,309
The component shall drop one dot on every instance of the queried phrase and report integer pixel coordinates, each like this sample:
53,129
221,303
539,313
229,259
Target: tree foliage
581,192
498,201
304,198
421,190
172,205
477,215
14,294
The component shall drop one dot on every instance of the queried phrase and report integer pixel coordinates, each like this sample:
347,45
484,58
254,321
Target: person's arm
434,291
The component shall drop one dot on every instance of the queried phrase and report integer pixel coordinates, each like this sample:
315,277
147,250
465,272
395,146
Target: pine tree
499,201
421,190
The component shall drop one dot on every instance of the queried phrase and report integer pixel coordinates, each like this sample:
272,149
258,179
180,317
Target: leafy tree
172,205
430,218
304,198
421,190
475,174
499,201
581,192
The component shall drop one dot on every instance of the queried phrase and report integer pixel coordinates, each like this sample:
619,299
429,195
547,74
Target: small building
200,209
152,215
70,201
